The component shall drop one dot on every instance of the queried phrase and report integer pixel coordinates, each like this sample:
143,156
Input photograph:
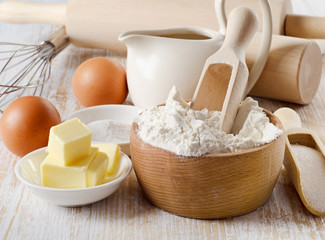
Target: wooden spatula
224,77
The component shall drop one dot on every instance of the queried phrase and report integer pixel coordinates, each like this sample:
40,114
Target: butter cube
56,175
97,169
113,152
69,142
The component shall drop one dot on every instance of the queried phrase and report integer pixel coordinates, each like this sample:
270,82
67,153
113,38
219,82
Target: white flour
179,129
107,130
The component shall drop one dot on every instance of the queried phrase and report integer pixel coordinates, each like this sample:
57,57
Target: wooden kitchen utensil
304,161
292,72
98,23
215,185
286,23
223,81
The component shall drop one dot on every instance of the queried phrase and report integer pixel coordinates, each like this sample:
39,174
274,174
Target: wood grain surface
127,214
211,186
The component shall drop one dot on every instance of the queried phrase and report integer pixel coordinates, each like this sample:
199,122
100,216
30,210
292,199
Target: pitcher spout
129,37
175,35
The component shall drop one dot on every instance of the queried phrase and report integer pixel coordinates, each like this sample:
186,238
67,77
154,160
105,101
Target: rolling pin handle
27,12
305,26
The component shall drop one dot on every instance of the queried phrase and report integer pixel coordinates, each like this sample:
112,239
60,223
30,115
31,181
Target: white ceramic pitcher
161,58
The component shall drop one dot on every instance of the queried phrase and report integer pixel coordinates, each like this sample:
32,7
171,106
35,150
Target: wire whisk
27,67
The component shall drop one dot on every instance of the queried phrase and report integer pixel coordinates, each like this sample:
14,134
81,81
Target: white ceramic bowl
119,113
28,172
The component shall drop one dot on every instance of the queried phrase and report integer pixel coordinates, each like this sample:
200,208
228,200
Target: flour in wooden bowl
187,132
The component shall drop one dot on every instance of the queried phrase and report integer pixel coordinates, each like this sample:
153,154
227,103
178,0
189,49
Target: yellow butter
69,142
97,170
113,151
56,175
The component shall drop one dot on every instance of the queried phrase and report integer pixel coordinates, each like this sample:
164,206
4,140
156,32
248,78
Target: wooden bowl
211,186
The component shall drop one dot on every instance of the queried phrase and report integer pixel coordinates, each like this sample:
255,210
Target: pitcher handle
261,59
219,6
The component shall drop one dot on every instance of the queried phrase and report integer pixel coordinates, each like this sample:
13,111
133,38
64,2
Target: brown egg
26,122
100,81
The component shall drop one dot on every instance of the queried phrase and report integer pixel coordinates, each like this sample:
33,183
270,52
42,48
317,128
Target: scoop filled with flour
187,132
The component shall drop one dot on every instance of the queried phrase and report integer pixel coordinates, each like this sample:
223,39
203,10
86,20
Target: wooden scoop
304,161
222,85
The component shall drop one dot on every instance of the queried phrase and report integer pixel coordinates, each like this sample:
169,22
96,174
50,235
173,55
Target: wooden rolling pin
286,23
98,23
292,72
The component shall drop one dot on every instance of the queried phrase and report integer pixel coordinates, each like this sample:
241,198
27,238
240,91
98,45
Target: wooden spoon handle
28,12
288,117
241,27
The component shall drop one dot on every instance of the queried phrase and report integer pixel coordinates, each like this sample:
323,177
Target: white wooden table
127,214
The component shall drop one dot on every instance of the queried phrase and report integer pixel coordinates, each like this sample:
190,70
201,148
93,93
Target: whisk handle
59,40
29,12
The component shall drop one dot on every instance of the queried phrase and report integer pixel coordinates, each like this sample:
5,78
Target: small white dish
120,113
28,172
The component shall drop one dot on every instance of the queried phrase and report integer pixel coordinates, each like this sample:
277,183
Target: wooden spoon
304,161
223,81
